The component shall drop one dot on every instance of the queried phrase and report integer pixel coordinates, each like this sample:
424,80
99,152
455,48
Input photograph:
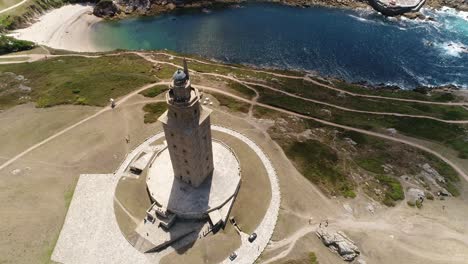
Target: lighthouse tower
187,130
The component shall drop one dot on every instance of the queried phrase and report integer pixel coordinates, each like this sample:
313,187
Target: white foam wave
453,12
453,49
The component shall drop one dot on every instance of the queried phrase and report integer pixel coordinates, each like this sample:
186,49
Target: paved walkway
91,233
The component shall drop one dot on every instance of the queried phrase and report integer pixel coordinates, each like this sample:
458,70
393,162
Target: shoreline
67,28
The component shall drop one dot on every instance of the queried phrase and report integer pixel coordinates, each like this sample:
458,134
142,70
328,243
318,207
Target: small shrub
412,204
394,191
349,194
76,91
429,196
419,203
313,258
9,44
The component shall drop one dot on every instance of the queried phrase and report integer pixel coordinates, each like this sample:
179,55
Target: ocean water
354,45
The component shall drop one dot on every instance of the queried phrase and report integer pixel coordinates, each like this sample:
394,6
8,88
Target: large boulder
338,242
106,8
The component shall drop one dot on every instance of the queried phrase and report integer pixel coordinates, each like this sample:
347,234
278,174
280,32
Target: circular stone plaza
177,189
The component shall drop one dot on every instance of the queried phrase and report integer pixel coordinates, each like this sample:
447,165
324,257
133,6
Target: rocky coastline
122,8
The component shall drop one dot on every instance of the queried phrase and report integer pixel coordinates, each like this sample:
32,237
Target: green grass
241,89
394,192
371,164
153,111
232,104
79,80
155,90
318,163
313,258
317,92
452,135
9,45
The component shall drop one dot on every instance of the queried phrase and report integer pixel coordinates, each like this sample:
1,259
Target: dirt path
12,7
371,133
290,241
337,106
306,78
145,56
105,109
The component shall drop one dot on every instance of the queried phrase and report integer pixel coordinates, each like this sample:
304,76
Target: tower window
185,161
206,157
172,134
174,146
175,115
183,150
188,172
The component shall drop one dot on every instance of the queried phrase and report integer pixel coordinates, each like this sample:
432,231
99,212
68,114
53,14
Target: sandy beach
67,28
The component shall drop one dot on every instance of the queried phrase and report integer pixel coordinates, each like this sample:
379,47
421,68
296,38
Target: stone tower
187,130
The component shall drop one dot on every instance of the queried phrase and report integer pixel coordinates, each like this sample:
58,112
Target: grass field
453,135
317,92
153,111
73,80
331,162
232,104
155,90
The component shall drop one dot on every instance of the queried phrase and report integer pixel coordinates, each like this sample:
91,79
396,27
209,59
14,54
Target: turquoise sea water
354,45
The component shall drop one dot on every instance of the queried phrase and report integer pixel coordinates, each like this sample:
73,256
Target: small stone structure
188,132
396,7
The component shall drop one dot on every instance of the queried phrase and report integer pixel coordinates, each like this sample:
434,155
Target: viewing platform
396,7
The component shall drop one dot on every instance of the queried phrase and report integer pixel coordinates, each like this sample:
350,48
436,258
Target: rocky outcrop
106,8
415,196
461,5
338,242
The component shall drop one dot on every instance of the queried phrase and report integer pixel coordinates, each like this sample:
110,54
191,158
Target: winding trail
253,102
308,79
247,84
367,132
63,131
12,7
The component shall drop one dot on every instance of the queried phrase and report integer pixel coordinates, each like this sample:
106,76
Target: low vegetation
355,159
452,135
73,80
318,163
153,111
393,190
310,90
232,104
9,44
155,90
313,258
241,89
